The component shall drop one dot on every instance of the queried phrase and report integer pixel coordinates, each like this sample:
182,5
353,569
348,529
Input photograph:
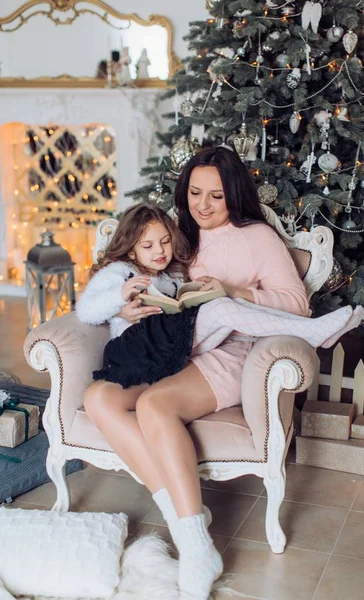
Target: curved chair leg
56,469
275,491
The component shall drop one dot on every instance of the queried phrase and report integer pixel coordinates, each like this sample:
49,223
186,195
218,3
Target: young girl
148,248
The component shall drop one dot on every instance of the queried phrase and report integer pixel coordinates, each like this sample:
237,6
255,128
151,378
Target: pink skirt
222,369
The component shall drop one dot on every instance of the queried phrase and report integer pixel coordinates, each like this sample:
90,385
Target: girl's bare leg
112,409
163,410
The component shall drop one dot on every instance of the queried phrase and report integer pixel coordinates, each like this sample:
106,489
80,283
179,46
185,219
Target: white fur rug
147,572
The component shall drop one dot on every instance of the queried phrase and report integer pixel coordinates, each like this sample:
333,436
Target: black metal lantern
49,281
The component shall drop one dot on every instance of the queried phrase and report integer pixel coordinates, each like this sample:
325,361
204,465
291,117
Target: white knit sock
166,506
200,564
216,320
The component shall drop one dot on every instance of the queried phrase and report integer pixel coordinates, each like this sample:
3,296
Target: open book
188,295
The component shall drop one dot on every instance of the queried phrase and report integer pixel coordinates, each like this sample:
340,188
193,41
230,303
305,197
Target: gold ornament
267,193
181,153
243,142
335,279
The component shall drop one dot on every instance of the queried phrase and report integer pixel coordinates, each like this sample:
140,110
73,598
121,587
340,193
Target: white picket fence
336,382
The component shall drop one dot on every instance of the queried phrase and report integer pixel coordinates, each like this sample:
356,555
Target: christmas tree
284,85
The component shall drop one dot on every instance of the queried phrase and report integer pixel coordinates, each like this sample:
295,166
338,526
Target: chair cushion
69,555
223,435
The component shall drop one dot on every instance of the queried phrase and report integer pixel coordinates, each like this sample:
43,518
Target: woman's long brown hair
133,223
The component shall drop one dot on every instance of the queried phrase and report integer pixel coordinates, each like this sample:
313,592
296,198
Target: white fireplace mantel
134,113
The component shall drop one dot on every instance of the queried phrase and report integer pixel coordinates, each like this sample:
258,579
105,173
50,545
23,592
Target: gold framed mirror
43,44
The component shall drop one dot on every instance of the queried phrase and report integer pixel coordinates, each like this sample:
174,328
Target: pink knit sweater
253,258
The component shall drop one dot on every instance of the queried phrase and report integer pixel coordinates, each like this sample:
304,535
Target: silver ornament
181,153
294,122
154,196
349,224
286,11
221,22
334,34
241,51
293,78
362,183
335,279
281,60
326,190
267,193
350,40
243,142
328,162
187,108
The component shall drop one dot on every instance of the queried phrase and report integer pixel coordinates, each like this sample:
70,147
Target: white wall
180,13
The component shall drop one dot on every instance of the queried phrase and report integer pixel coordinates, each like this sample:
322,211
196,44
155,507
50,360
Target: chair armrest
274,366
70,351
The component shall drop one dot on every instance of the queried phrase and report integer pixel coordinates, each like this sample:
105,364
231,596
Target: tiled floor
322,515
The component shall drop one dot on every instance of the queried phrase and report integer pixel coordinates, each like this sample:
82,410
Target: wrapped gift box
328,420
12,425
357,428
338,455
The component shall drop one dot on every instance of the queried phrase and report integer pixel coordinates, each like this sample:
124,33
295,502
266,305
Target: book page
191,286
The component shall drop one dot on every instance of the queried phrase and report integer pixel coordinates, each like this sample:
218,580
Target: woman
231,245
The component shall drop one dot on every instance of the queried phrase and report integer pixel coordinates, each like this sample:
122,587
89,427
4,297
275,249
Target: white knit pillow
66,555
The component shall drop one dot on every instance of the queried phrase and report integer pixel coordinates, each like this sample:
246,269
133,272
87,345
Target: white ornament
326,191
293,78
142,65
253,150
322,117
311,15
328,162
294,122
342,116
225,52
125,61
350,40
243,13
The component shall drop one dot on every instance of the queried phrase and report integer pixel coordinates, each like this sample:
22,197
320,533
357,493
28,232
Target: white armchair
252,439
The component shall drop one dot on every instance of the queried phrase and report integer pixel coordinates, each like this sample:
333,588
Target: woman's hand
134,311
133,287
210,283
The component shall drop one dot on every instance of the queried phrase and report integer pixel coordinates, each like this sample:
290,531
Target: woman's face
206,199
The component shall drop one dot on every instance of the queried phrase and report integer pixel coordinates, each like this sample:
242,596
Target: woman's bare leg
112,409
163,410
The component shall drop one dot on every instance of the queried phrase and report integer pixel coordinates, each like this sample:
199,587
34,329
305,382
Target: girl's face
153,250
206,199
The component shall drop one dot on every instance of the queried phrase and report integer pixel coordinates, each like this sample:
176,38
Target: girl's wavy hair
132,224
240,192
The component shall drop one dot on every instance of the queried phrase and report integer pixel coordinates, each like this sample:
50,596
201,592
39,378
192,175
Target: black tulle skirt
157,347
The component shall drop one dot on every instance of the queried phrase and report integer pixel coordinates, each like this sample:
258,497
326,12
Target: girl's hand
210,283
134,286
134,311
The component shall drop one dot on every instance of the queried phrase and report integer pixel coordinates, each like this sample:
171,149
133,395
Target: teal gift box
18,421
